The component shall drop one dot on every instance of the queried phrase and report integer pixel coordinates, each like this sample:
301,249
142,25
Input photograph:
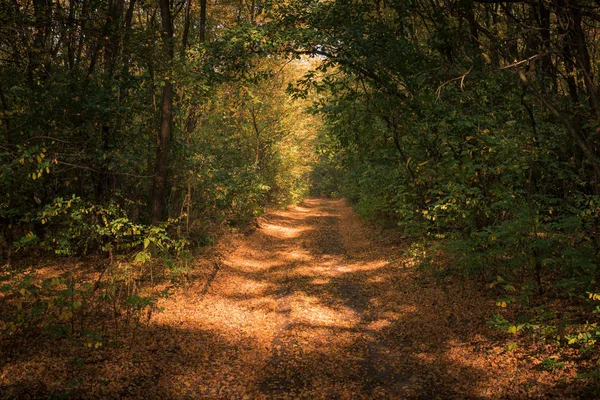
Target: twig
462,81
97,284
524,61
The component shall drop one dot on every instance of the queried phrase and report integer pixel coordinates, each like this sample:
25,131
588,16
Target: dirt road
308,306
311,305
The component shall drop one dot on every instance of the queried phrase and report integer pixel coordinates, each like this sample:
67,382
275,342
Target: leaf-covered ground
311,305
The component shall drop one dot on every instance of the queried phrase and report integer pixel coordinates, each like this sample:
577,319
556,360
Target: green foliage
251,149
73,226
467,166
465,123
328,173
60,306
79,127
437,122
550,364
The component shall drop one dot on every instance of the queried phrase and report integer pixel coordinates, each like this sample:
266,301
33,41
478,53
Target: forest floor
311,305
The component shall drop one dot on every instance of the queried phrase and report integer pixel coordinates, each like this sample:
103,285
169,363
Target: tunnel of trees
137,129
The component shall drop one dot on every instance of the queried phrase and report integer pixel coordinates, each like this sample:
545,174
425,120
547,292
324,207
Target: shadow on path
307,307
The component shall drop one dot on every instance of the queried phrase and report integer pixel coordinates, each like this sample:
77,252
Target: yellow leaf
513,330
65,315
98,344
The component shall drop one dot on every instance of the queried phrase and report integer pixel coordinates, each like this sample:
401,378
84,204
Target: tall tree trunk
6,118
186,27
582,55
570,71
543,20
72,32
113,27
202,21
159,192
126,37
193,116
159,196
42,11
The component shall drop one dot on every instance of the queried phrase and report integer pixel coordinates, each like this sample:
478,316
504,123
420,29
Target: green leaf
142,257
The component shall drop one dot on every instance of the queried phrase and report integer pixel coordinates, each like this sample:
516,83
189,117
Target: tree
159,196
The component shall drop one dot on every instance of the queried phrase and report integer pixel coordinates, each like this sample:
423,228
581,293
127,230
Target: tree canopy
137,128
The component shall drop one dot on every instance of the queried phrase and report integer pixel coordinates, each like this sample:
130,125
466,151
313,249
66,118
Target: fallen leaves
308,306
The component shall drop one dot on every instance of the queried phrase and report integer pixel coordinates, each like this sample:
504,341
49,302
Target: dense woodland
135,131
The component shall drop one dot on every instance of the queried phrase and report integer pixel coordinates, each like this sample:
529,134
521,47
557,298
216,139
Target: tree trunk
127,36
6,118
543,20
159,192
186,27
113,27
583,59
159,196
42,21
202,21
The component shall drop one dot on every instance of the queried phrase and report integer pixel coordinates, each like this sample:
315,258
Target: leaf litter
312,305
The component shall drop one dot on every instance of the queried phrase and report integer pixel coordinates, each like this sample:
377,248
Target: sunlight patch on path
329,314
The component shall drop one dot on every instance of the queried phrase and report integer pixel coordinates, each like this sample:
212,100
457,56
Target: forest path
311,305
308,306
